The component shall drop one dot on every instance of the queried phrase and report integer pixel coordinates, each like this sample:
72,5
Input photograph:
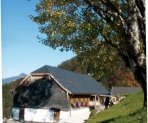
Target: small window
15,113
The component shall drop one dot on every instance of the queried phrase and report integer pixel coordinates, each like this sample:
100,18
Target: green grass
130,110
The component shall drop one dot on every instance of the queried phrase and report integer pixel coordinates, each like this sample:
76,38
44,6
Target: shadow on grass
106,121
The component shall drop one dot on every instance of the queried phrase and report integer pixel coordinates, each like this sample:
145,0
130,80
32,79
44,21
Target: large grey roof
124,90
76,83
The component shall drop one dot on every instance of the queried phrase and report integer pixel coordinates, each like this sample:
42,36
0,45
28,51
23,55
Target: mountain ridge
13,78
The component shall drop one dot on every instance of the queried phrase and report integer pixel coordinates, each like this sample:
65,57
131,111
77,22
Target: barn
50,94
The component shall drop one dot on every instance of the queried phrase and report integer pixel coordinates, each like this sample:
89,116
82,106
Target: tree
101,30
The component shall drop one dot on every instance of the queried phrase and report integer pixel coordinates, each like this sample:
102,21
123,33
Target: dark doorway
21,114
56,114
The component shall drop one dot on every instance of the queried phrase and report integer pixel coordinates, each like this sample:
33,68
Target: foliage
99,31
128,111
8,97
66,25
125,78
73,64
95,30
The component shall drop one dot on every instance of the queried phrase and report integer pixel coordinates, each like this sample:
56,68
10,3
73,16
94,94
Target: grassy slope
130,110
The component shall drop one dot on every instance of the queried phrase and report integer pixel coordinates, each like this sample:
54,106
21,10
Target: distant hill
10,79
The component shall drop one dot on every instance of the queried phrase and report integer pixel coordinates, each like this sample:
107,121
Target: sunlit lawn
130,110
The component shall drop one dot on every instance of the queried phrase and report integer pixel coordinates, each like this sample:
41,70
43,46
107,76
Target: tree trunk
141,78
145,95
137,56
139,75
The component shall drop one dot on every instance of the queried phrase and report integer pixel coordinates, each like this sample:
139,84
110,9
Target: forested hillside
8,97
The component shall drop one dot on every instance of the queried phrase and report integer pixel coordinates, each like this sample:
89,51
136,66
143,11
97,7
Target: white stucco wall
64,114
30,114
39,115
46,115
43,115
76,115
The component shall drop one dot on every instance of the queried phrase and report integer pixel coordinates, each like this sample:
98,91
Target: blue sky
21,50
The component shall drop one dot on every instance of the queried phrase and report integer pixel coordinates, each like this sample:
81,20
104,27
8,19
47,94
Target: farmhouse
49,93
